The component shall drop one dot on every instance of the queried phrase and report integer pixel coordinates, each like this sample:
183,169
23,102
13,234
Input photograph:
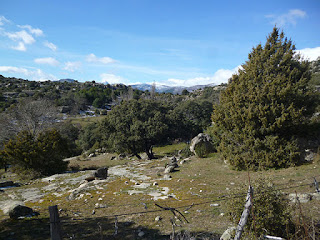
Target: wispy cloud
36,74
50,45
289,18
21,36
35,31
72,66
310,53
3,20
20,47
103,60
48,61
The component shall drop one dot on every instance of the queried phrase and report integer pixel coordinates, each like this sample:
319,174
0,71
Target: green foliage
265,107
89,136
270,213
135,126
190,118
70,133
43,154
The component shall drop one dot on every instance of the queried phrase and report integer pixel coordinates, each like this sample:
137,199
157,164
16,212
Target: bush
43,154
271,211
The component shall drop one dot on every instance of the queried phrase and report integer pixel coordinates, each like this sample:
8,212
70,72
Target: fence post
245,214
55,228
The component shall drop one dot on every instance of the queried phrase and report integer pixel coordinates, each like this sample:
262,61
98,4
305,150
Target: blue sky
176,42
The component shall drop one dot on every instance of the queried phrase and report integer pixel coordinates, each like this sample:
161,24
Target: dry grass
199,181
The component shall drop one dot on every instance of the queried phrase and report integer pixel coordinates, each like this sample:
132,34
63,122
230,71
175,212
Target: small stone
227,189
155,184
186,212
141,234
158,218
100,199
222,214
93,212
137,183
200,191
126,182
182,162
214,205
167,177
232,183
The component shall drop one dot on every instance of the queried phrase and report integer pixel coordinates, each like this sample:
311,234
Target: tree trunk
149,152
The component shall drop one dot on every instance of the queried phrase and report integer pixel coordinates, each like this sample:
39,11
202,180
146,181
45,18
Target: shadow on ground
88,228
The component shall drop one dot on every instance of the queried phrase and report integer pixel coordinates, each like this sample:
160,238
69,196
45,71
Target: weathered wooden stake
245,214
55,228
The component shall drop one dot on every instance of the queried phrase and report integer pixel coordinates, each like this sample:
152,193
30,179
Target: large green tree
266,105
135,126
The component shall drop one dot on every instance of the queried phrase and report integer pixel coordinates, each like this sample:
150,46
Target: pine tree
265,107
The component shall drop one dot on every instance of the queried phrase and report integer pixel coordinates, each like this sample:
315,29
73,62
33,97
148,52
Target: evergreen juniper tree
265,107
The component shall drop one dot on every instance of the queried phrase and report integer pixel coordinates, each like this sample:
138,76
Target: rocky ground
125,202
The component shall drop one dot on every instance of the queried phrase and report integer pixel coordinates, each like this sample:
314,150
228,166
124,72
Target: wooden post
245,214
55,228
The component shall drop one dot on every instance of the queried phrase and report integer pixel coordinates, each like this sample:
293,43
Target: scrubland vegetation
263,120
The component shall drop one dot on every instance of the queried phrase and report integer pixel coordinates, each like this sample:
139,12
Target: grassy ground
83,121
195,186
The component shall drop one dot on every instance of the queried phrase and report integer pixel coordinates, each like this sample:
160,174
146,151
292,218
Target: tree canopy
135,126
265,106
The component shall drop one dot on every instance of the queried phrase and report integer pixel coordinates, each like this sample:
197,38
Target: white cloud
310,53
3,20
112,79
220,76
49,61
94,59
10,69
72,66
20,47
21,36
36,74
36,31
50,45
287,18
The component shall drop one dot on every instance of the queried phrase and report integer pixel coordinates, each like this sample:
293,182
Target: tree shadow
100,228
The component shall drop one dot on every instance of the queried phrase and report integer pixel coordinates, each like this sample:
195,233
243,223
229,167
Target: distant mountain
169,89
67,80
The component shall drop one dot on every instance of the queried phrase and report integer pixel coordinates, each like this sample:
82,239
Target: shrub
43,154
271,211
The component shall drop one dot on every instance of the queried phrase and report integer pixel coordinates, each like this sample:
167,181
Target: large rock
171,165
201,145
101,173
21,211
8,205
